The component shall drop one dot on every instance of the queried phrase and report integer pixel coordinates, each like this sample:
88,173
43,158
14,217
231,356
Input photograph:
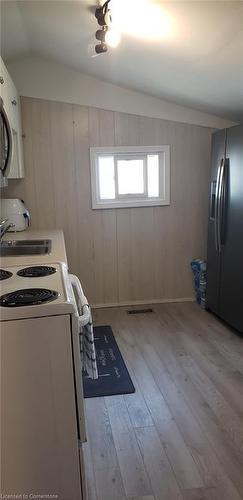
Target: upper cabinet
11,103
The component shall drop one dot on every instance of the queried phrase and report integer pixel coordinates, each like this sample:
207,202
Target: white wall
45,79
127,255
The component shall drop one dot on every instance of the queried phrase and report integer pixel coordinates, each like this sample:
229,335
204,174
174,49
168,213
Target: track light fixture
106,35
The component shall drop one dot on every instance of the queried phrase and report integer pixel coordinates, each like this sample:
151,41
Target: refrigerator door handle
220,204
223,200
216,220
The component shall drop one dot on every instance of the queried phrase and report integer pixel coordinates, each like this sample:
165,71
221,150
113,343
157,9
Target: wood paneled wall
120,255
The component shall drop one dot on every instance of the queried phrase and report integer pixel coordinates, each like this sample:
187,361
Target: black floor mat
113,374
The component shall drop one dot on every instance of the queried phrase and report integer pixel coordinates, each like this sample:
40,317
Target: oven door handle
83,305
78,318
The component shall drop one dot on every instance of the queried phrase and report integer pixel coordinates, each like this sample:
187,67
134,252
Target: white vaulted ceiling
200,65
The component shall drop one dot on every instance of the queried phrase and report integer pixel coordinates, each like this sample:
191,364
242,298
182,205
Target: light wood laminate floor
180,436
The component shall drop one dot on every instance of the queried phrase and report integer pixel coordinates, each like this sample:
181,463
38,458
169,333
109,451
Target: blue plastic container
199,273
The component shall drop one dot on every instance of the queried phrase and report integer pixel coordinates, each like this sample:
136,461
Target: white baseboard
142,302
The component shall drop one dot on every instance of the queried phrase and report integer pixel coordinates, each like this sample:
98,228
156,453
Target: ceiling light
103,15
106,35
141,18
101,48
145,19
100,35
112,37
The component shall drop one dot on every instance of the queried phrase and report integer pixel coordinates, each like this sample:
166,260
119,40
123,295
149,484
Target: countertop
58,251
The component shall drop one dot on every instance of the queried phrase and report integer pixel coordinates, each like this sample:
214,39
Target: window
130,176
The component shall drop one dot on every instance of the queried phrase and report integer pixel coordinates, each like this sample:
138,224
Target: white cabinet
11,103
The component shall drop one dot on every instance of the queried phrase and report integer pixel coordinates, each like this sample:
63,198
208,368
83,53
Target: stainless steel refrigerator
224,293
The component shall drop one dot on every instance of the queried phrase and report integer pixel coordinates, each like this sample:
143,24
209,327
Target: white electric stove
39,290
42,417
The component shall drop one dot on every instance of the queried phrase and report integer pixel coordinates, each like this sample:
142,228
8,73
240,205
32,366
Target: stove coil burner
28,297
4,275
36,271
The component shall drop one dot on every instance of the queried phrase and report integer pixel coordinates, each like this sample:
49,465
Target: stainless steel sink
25,247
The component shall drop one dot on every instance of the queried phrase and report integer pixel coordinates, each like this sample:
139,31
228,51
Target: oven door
78,318
6,145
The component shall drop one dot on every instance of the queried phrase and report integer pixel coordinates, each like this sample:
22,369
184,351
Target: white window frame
131,157
131,200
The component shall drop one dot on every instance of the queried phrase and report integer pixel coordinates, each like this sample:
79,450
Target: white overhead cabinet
11,104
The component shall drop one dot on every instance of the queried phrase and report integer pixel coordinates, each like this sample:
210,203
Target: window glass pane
106,177
130,176
153,176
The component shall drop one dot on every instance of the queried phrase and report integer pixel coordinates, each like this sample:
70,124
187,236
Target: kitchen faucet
4,227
